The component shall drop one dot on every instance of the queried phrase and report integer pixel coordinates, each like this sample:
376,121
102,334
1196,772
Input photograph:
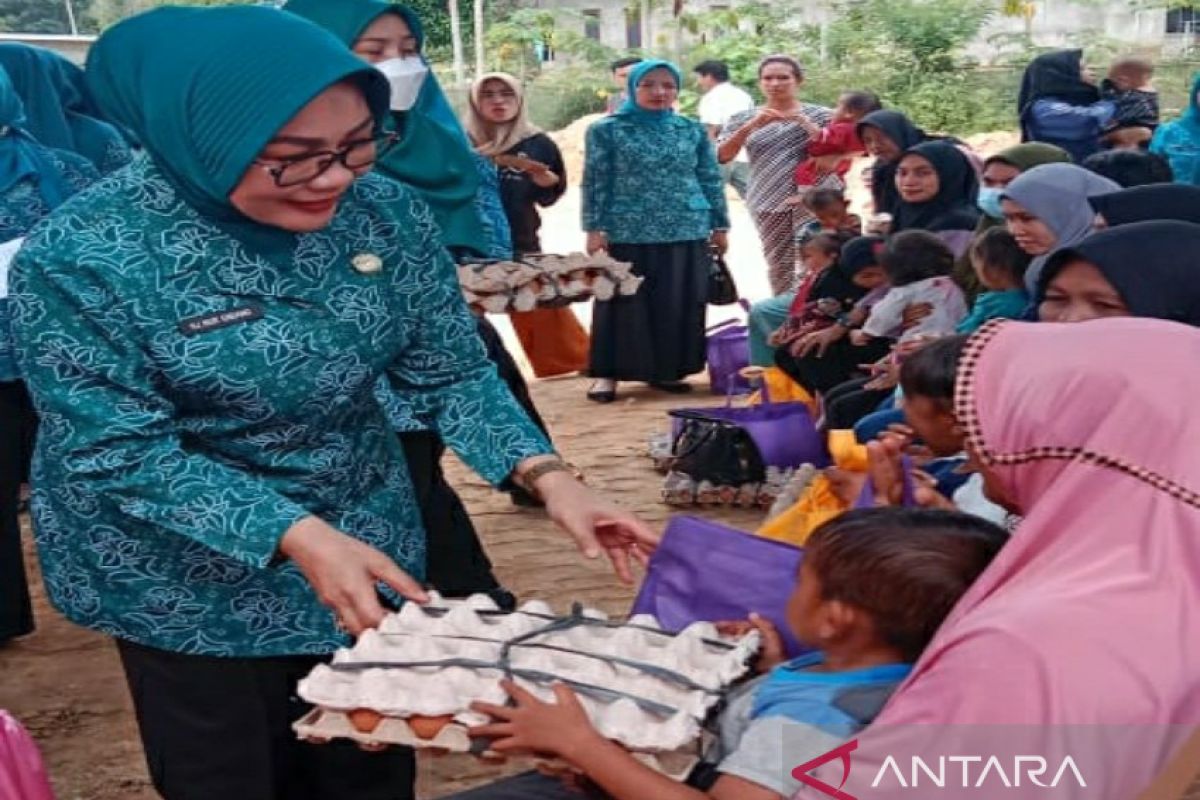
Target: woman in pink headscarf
1082,638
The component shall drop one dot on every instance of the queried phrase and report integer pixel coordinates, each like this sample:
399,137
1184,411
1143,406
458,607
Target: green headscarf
204,93
433,155
630,107
58,111
1031,154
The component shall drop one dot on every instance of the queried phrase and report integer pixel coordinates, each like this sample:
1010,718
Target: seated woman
938,193
1003,168
1087,434
818,354
34,180
887,135
1060,104
1047,208
59,109
217,485
1175,201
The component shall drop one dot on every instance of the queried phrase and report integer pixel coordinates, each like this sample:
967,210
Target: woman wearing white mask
432,154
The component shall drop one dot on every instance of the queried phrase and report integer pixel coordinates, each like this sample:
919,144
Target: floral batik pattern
200,392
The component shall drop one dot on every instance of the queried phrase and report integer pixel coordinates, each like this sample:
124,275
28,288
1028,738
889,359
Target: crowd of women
233,302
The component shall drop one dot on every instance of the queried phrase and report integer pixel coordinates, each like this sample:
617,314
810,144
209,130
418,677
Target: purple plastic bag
784,433
728,353
908,499
703,571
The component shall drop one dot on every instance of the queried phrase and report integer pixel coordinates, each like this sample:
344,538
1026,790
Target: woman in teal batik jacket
215,483
652,195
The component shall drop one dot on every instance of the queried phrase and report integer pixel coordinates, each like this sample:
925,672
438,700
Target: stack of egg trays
643,687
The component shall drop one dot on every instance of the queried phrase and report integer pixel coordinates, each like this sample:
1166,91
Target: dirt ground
66,685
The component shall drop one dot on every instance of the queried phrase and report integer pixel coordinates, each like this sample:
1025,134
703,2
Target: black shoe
602,395
672,387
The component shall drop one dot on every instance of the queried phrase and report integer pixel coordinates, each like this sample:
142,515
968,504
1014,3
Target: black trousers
220,729
839,364
456,564
848,402
17,423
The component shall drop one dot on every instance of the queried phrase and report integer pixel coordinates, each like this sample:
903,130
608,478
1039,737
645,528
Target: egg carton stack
545,280
780,486
412,681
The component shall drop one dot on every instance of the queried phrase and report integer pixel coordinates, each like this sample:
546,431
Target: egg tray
546,281
323,725
641,686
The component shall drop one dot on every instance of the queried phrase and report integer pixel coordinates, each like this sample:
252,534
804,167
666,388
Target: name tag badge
219,319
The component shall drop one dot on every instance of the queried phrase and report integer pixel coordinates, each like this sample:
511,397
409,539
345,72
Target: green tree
35,16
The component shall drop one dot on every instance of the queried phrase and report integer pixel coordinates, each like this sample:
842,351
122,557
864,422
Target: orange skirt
553,340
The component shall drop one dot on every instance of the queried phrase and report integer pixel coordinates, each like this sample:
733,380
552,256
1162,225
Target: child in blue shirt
1000,266
874,586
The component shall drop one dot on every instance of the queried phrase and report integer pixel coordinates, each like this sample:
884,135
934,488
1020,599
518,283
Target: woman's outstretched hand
597,525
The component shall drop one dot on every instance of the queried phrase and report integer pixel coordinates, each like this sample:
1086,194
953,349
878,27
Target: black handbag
710,449
722,290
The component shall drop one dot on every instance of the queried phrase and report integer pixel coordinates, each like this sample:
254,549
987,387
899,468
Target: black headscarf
1161,201
1054,76
905,135
1152,265
837,282
953,208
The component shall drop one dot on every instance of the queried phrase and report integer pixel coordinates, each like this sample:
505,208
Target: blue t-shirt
793,714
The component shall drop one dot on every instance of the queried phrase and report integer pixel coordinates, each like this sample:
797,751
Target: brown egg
428,727
365,720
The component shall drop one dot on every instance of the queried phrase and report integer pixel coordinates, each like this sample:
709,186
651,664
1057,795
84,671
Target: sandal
603,392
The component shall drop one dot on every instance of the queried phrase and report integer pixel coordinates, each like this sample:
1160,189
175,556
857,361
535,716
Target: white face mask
406,76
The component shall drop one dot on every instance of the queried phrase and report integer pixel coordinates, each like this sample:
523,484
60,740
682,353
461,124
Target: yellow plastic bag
816,506
781,388
847,453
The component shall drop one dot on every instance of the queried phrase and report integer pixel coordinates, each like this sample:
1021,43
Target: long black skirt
17,422
657,335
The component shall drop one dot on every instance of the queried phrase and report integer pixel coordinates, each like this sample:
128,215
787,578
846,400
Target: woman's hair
780,58
931,372
820,199
1130,167
997,249
905,568
911,256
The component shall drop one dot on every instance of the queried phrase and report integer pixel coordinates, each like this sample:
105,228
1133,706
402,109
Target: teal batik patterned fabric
21,207
199,395
491,209
656,182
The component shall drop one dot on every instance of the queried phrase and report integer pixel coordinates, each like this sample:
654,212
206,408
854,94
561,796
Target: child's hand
770,652
560,729
859,338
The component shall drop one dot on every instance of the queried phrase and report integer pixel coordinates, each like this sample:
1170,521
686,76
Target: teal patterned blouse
199,396
21,207
652,183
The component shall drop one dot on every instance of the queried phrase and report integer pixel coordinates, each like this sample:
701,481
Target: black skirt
840,363
17,421
656,335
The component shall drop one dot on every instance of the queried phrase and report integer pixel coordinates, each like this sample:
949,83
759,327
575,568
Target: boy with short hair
620,77
874,587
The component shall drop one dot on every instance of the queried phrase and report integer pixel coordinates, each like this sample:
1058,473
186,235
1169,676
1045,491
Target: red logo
843,752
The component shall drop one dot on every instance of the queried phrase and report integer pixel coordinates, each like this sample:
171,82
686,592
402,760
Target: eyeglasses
354,156
498,95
